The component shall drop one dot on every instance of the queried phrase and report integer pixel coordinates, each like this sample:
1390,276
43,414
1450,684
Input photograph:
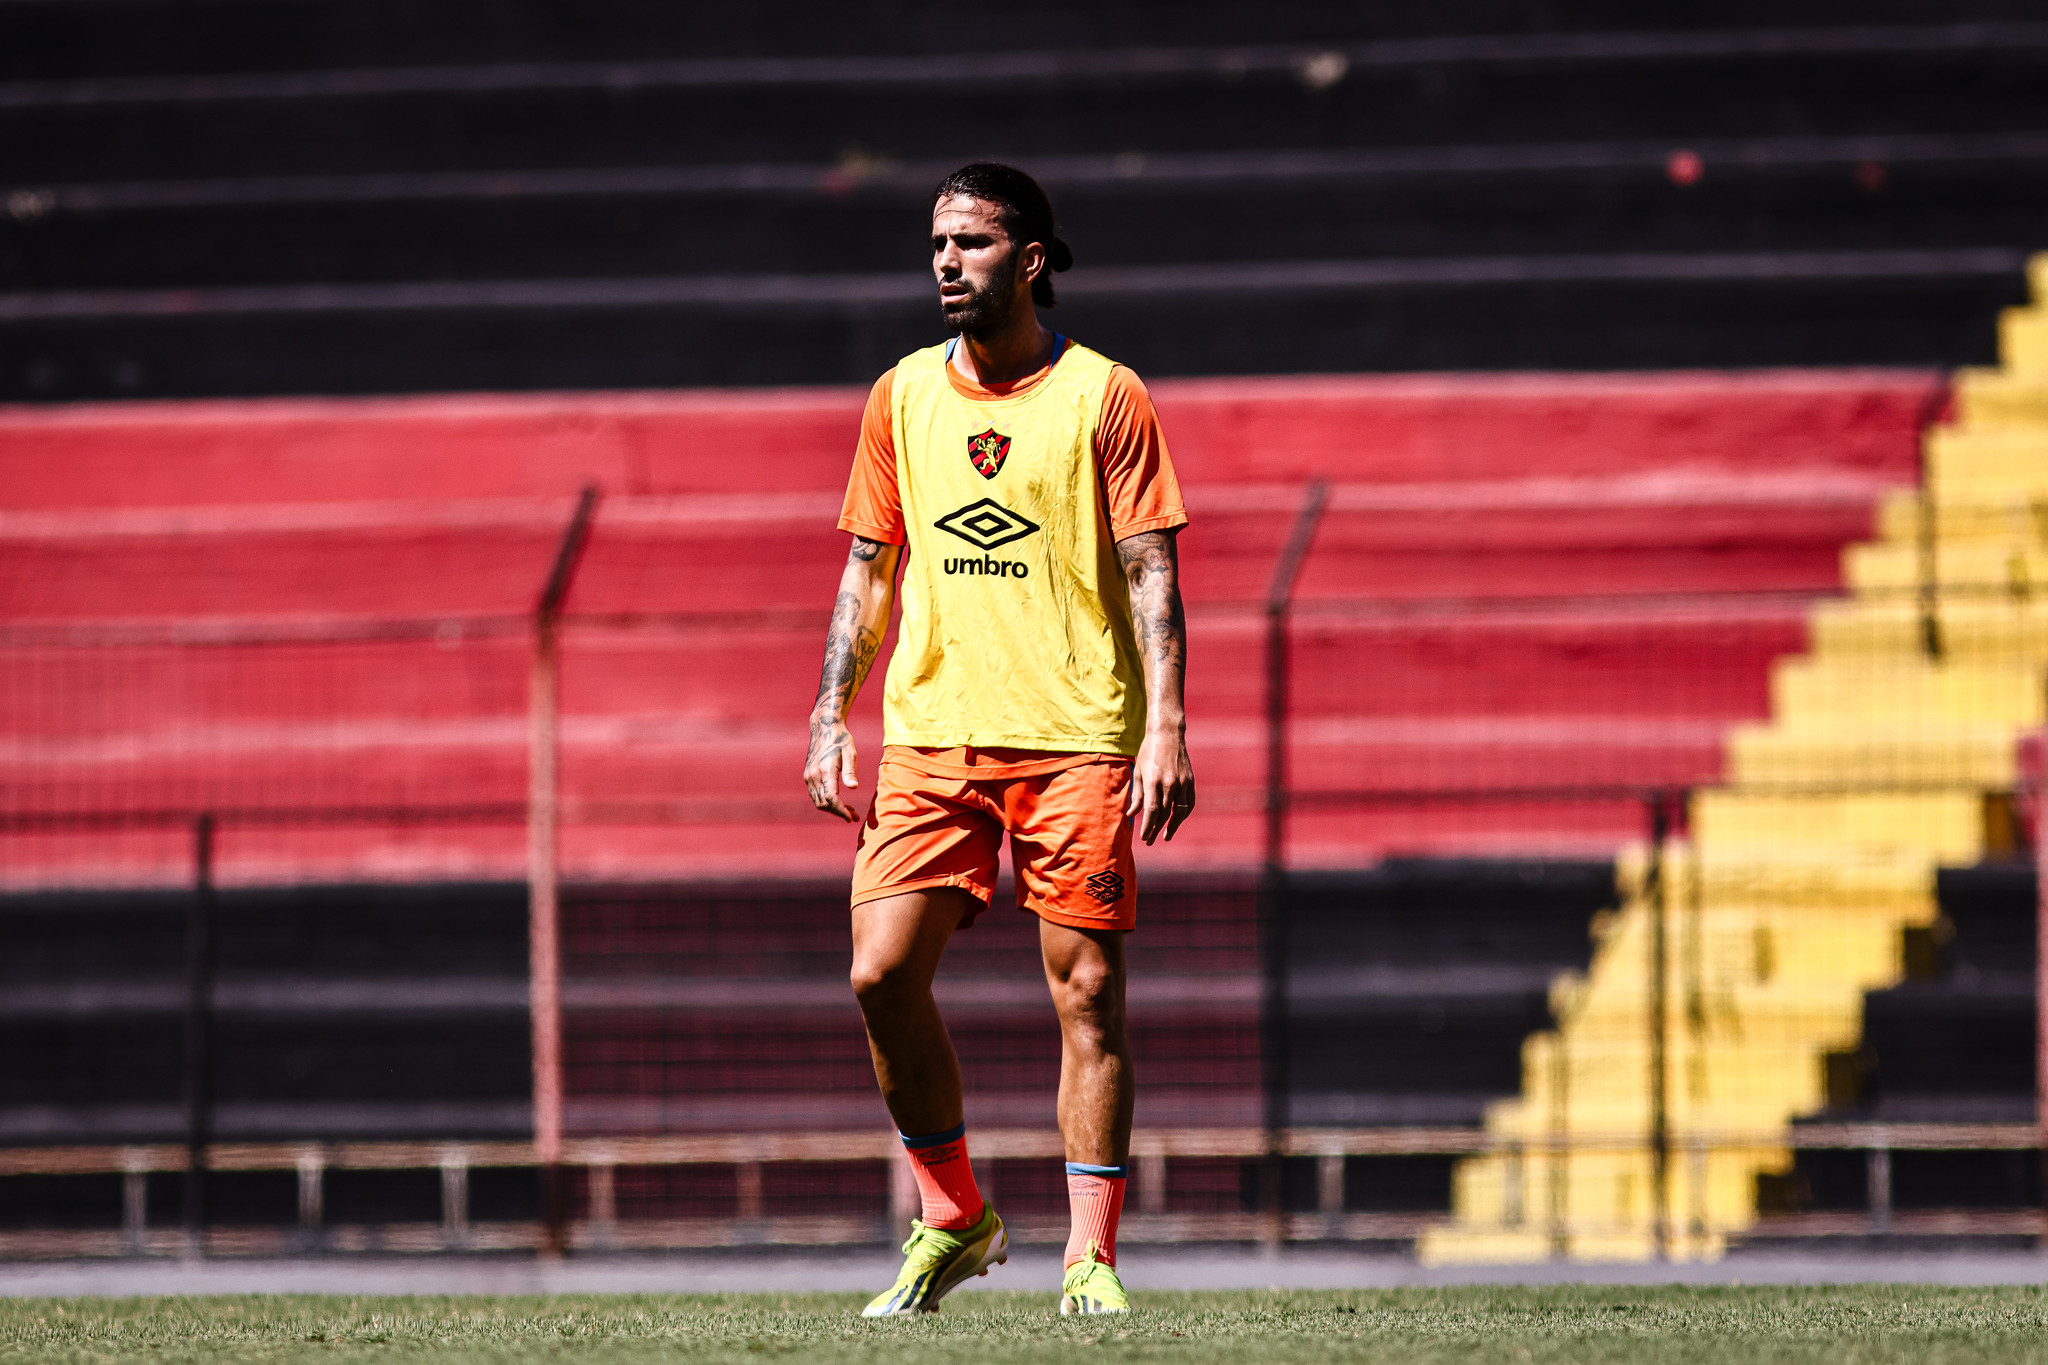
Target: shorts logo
986,524
988,451
1107,887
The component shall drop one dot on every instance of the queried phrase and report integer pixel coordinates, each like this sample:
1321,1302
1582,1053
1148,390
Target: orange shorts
1070,841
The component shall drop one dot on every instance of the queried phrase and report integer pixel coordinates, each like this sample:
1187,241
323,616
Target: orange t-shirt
1139,493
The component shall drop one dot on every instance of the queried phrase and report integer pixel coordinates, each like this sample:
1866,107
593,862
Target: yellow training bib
1016,629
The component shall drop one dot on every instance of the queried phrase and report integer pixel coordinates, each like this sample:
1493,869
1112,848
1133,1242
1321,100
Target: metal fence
1513,927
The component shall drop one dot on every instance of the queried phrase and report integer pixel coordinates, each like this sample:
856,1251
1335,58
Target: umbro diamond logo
1107,887
987,524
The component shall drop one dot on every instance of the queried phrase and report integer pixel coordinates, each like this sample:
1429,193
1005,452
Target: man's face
983,276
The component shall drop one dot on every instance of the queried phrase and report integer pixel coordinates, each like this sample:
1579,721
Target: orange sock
945,1182
1095,1194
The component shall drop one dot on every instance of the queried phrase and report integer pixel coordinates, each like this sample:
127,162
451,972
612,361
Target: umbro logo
1107,887
987,524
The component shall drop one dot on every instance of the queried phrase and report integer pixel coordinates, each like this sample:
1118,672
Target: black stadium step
695,113
1963,1037
1933,312
1991,910
362,230
400,1011
353,199
119,37
1951,1039
1955,1045
349,1011
1414,984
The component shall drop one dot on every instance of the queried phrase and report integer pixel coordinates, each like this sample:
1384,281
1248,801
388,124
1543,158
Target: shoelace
919,1233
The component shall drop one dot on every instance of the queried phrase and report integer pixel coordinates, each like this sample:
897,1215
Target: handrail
991,1143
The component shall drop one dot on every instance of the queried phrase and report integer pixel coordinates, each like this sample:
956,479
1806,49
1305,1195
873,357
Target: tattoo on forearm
1151,570
850,649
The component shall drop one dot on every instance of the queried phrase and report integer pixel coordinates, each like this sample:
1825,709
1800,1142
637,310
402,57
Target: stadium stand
1537,605
1619,539
226,197
1639,547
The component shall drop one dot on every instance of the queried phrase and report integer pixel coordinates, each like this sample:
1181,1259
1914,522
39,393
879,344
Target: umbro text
993,568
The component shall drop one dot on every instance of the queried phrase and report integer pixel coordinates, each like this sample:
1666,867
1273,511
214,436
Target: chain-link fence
1542,922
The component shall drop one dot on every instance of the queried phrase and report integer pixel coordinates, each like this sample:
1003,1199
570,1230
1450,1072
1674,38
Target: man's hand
860,617
832,763
1162,780
1162,786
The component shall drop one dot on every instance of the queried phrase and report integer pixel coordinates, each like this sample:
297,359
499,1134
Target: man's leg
1085,969
897,944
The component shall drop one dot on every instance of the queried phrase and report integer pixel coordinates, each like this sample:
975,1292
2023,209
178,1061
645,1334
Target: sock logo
986,525
1107,887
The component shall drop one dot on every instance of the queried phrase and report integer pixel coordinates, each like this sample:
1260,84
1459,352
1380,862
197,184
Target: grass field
1856,1325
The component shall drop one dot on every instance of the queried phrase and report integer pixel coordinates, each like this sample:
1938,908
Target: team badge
988,451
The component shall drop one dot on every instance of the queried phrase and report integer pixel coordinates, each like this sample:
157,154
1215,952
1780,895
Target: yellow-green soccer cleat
935,1263
1092,1287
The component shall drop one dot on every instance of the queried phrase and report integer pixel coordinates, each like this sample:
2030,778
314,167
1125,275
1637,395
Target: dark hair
1024,211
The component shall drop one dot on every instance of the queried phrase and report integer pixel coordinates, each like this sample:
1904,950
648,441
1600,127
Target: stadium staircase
1810,878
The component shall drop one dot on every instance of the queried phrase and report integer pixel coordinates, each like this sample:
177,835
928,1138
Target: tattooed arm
860,618
1163,781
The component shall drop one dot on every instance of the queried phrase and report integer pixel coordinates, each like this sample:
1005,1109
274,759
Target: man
1035,690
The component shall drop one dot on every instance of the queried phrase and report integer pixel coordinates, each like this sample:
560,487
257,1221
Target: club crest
988,451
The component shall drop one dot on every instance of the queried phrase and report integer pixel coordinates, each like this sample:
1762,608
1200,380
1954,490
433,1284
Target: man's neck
1007,356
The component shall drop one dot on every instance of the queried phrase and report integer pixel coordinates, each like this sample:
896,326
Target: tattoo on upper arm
865,550
1152,573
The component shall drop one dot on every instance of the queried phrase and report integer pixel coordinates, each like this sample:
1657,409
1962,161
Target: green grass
1588,1325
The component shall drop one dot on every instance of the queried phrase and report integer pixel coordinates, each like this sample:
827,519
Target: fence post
454,1198
1272,897
1877,1179
1558,1181
135,1201
1151,1182
1660,1112
1694,971
604,1199
312,1168
198,1080
544,968
2040,833
1927,567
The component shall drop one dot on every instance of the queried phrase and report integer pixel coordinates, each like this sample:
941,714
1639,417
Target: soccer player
1035,691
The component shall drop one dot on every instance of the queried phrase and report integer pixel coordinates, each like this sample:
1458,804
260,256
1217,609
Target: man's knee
882,977
1090,996
872,977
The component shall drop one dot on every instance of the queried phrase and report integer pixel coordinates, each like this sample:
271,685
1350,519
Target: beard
988,307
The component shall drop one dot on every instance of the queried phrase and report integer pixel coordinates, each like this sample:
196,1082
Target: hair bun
1059,255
